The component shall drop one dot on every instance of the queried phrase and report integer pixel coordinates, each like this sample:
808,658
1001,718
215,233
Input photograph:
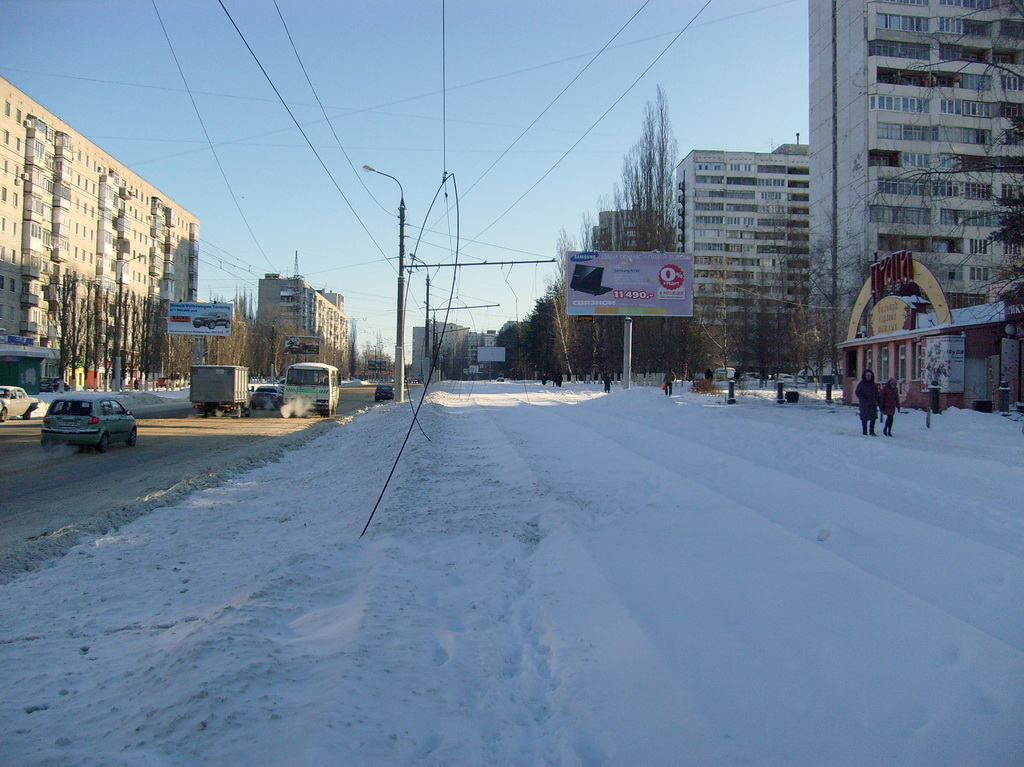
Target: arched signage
920,275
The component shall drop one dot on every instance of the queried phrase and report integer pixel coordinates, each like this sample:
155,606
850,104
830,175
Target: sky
852,601
505,123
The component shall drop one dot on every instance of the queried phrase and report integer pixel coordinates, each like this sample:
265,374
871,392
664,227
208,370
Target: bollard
1004,397
732,393
934,388
828,392
780,395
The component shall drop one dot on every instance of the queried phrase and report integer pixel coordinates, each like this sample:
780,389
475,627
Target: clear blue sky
736,79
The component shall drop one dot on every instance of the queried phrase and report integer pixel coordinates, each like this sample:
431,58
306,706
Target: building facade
911,108
745,218
68,207
299,308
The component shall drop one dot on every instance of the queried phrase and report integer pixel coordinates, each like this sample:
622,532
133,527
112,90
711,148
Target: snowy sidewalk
556,577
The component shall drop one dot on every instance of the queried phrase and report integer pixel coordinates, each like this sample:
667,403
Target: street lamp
400,332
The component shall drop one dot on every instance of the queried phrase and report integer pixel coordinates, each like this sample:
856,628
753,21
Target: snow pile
559,577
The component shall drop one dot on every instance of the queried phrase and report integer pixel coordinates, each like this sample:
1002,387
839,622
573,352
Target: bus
310,386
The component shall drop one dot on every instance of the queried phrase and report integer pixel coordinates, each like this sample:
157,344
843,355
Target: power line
299,126
206,133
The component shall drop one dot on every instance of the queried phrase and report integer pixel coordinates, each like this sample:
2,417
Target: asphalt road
49,500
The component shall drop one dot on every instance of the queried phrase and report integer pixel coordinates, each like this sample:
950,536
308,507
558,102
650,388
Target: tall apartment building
67,206
745,218
615,231
302,309
910,105
452,355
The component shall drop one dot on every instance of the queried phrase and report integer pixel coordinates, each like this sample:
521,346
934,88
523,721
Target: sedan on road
88,422
266,397
384,392
14,401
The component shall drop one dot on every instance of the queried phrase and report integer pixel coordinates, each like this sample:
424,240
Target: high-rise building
744,216
301,309
67,207
911,103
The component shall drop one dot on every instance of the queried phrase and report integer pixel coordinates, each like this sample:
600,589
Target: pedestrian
708,375
543,379
667,382
607,378
867,400
889,404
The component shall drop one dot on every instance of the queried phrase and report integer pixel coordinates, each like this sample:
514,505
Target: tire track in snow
853,528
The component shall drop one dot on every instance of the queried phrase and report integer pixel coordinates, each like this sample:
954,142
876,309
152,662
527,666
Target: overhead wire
604,114
298,125
206,133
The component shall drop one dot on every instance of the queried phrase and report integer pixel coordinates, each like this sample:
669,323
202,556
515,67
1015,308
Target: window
920,51
710,179
976,82
899,104
980,273
1012,82
883,364
711,166
977,191
890,131
916,160
902,187
903,23
771,168
945,189
888,214
953,26
977,247
981,5
901,362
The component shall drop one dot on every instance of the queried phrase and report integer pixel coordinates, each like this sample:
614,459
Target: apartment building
452,351
68,207
745,218
303,309
911,103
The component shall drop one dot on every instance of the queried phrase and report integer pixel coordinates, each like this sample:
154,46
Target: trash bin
792,396
983,405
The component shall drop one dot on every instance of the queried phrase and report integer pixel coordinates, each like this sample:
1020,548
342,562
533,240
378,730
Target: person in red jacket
889,404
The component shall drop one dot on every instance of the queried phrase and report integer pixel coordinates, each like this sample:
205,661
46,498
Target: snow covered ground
553,577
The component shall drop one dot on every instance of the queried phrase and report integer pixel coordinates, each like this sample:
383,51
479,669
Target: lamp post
400,331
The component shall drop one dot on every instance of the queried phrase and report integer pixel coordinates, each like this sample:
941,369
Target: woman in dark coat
889,403
868,399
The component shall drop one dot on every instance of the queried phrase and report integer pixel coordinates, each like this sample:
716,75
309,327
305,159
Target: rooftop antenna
798,139
295,273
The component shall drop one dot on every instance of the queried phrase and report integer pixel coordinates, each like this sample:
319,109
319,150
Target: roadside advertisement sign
196,319
301,345
944,362
490,354
629,284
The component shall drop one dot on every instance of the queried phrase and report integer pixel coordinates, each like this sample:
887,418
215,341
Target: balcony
155,269
30,268
29,299
169,270
29,328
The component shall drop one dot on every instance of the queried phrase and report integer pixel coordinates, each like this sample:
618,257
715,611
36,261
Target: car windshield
307,377
71,407
5,392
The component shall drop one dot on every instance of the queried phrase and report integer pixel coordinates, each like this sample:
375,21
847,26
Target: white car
14,402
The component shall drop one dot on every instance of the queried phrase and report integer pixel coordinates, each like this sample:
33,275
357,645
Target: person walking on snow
889,404
667,382
867,400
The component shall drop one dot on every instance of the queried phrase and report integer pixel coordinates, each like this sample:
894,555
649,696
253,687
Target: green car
86,421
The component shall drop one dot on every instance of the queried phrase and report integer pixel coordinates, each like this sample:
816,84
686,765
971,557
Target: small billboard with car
301,345
198,319
627,284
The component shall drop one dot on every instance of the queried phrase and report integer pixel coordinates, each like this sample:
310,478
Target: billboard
490,354
195,319
301,345
629,284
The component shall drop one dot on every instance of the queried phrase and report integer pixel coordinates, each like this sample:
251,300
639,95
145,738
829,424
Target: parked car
15,401
383,392
49,385
88,421
785,378
266,397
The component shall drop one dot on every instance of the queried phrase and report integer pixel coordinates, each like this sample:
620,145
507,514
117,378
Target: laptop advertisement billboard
629,284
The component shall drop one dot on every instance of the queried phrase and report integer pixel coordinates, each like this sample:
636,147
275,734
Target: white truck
218,389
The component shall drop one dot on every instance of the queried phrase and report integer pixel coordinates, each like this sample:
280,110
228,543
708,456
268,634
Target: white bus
310,386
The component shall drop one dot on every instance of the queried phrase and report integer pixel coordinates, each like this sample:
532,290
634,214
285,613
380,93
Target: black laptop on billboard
587,279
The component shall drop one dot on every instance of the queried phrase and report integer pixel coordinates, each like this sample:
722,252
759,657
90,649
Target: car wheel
104,444
133,437
3,414
28,414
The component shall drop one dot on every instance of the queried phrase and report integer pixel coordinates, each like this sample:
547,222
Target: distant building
450,340
909,101
745,218
302,309
616,230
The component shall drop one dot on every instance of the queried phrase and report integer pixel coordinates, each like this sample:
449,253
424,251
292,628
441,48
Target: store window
901,362
882,374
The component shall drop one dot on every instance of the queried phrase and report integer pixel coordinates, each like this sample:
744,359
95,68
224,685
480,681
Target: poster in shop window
944,362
